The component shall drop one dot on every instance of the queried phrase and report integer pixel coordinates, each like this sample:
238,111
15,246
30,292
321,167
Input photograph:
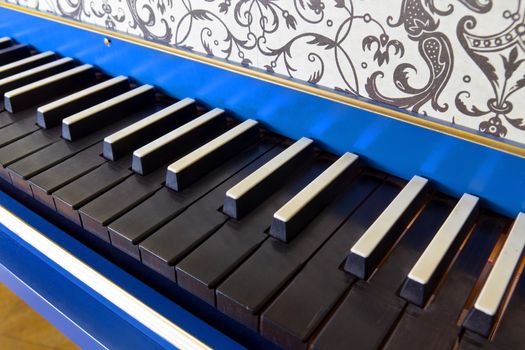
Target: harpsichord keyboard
306,248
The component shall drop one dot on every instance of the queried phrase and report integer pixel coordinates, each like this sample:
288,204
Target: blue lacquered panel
455,166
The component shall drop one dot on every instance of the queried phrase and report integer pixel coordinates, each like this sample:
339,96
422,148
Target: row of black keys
233,264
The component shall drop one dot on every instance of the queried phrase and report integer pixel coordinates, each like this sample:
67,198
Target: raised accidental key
5,42
247,194
48,88
51,114
105,113
34,74
26,63
191,167
428,270
368,251
13,53
177,142
298,211
145,130
481,317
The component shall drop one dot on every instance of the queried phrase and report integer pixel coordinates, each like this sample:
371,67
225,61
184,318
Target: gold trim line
333,96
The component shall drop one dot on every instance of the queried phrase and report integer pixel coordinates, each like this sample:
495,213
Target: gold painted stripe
330,95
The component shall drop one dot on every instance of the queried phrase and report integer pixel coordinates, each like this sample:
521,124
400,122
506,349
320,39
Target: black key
178,142
236,240
134,226
365,316
297,212
17,130
27,145
194,165
510,333
20,148
7,118
297,312
71,197
45,183
34,74
26,63
138,134
373,245
473,341
425,275
107,207
245,293
49,88
435,327
34,163
13,53
245,195
99,116
163,249
168,245
51,114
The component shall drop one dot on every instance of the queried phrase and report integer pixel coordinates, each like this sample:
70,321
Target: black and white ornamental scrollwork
435,49
146,14
500,57
425,56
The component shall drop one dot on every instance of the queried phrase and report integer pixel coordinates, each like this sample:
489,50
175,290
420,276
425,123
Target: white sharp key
47,88
177,142
371,247
34,74
427,271
52,113
13,53
96,117
5,42
192,166
482,316
26,63
147,129
244,196
298,211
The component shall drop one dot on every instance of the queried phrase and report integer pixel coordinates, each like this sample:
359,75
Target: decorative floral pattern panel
461,61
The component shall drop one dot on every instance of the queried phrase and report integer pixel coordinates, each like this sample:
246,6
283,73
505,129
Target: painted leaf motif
201,14
223,7
511,64
321,40
517,122
520,83
315,77
473,111
291,22
340,3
